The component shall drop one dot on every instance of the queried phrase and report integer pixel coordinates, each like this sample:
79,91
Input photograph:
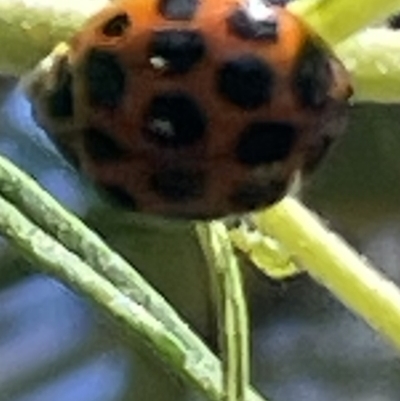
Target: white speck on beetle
259,11
158,63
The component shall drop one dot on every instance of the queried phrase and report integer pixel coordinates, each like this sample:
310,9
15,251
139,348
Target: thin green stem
64,247
53,258
336,20
232,310
21,190
330,261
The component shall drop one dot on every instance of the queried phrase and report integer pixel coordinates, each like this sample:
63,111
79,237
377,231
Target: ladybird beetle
192,108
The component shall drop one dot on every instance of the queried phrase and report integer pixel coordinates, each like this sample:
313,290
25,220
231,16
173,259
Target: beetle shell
193,108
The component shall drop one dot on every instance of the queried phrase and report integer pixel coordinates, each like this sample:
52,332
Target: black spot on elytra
120,196
265,142
60,101
117,25
244,25
101,147
105,79
251,196
180,49
174,119
247,81
178,9
313,75
177,184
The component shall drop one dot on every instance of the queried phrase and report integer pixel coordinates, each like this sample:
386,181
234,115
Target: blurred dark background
56,345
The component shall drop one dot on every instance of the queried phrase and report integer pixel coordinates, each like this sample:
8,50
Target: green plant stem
55,259
373,59
336,20
22,191
331,262
64,247
231,305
